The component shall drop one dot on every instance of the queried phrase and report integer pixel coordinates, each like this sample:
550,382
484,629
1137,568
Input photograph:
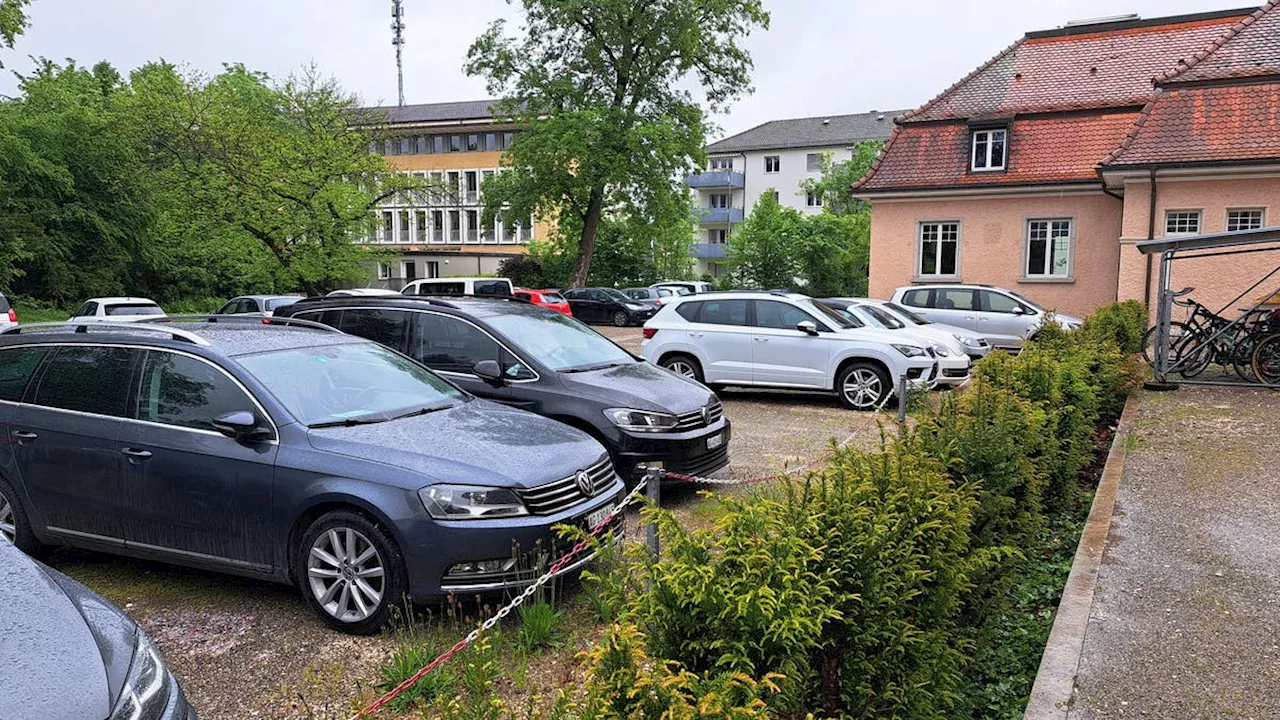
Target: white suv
1005,318
782,340
117,309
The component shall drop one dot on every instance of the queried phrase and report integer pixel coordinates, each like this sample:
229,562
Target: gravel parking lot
244,648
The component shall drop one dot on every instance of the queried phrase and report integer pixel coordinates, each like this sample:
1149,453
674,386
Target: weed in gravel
406,661
539,622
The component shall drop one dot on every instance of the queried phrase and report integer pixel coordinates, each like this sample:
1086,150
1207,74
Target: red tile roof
1046,149
1049,71
1205,125
1249,49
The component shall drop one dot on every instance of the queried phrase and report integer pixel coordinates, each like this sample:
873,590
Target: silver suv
1005,318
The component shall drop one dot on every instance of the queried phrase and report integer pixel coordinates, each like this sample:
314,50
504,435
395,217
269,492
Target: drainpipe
1151,235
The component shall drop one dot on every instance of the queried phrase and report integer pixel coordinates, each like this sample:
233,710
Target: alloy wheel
620,319
346,575
683,368
7,527
862,388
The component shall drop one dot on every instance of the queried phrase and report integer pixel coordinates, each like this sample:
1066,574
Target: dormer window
990,148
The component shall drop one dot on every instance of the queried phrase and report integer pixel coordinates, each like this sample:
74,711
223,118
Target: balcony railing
716,179
711,216
472,235
709,251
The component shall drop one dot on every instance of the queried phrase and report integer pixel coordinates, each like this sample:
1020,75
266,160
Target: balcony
709,251
716,179
713,216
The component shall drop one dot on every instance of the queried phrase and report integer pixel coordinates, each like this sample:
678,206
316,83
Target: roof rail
251,320
82,328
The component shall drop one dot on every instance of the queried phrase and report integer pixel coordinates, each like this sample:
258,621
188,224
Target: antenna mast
397,39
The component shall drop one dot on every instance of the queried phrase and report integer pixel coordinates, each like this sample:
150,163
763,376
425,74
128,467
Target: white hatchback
953,361
117,309
782,340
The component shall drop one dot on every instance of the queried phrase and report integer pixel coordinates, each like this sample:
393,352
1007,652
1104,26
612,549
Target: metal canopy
1209,241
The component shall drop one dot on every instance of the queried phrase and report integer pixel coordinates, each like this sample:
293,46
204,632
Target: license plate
715,441
597,517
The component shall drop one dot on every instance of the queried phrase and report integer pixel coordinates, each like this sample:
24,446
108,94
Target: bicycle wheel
1178,331
1193,356
1266,360
1242,356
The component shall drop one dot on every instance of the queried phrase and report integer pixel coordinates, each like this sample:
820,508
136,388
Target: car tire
684,366
621,319
15,526
863,386
346,591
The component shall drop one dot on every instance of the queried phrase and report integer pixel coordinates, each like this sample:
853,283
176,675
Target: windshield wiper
589,368
349,422
421,411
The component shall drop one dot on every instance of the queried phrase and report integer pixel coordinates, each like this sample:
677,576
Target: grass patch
30,313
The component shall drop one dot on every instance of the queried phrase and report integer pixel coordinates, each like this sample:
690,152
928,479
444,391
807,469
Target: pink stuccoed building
1040,170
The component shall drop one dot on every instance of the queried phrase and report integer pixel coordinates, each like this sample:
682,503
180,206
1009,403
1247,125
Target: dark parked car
295,454
607,306
540,360
650,296
69,653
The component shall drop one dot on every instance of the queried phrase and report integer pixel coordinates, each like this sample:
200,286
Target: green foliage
608,584
897,547
523,271
602,88
1123,323
406,661
13,21
763,251
834,254
837,180
750,595
538,625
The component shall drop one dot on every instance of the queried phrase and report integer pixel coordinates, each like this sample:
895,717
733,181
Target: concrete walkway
1185,621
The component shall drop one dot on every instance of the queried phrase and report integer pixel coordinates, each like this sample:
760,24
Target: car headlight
146,689
471,502
942,350
910,350
634,306
967,341
641,420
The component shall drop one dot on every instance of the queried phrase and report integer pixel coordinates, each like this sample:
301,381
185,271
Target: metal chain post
653,490
902,402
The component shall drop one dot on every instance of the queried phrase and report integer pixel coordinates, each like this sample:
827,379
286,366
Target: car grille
693,420
702,464
532,563
955,372
562,494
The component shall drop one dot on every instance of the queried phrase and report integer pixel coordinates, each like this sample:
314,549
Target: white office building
777,156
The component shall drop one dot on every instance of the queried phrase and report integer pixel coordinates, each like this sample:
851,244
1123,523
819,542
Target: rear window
689,311
4,304
275,303
16,366
916,298
135,309
554,298
492,287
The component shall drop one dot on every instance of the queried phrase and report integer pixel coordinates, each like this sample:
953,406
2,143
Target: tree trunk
587,243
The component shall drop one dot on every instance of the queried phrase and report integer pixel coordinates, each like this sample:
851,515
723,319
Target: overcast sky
819,56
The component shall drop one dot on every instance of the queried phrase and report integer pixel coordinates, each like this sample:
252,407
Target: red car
547,299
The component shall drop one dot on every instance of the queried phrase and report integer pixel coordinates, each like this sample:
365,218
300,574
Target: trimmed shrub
896,536
1123,323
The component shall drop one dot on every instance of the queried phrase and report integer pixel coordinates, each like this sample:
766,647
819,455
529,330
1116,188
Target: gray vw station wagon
285,450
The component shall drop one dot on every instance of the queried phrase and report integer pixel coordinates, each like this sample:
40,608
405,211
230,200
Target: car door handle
25,435
695,334
760,339
136,454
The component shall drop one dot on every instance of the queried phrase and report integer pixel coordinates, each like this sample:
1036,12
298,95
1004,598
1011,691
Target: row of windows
446,188
1047,249
747,313
438,144
772,163
409,270
175,389
963,299
448,227
1188,222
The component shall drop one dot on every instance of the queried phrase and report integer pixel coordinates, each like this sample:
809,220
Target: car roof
742,295
267,297
225,338
118,300
422,281
930,286
469,305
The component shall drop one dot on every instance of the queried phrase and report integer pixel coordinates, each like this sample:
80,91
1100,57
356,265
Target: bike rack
1204,246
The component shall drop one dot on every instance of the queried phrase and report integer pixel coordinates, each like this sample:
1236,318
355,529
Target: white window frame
813,162
1046,273
717,236
384,271
813,200
711,200
720,164
986,136
919,267
1261,213
1169,216
777,164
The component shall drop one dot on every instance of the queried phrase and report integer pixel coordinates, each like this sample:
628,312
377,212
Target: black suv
540,360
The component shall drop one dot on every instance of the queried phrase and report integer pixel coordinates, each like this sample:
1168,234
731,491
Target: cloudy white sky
819,56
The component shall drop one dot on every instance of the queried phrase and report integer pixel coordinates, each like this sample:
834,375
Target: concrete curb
1051,695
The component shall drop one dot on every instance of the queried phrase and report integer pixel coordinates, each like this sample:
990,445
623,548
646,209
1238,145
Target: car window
903,312
996,302
134,309
689,310
388,327
886,319
636,294
723,312
559,342
575,294
524,296
842,313
953,299
442,288
553,298
87,379
16,366
348,382
492,287
229,308
916,298
448,344
186,392
88,309
274,304
664,292
599,296
780,315
4,304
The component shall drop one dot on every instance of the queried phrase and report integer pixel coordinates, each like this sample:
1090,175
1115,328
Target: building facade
441,233
776,157
1040,169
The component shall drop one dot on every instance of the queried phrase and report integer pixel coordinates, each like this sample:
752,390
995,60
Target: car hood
901,337
952,330
50,663
641,386
477,443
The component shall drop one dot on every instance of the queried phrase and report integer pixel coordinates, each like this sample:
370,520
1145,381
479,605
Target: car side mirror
490,371
807,327
240,425
1018,310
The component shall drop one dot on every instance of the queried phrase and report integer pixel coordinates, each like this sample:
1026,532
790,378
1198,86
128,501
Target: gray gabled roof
820,131
436,112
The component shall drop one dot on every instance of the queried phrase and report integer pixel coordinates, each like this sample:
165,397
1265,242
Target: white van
460,286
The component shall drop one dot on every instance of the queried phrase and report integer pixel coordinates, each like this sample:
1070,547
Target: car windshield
349,384
636,293
553,298
1026,301
885,320
560,342
277,303
905,313
614,294
135,309
831,316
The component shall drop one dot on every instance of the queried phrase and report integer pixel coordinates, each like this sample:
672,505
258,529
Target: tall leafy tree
602,88
13,21
764,251
837,179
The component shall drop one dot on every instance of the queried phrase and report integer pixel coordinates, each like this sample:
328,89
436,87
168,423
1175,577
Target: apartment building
776,157
441,233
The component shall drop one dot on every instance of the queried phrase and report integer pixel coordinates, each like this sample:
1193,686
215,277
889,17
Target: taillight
650,332
13,315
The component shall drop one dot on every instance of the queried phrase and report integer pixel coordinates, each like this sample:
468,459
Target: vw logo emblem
583,480
706,415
